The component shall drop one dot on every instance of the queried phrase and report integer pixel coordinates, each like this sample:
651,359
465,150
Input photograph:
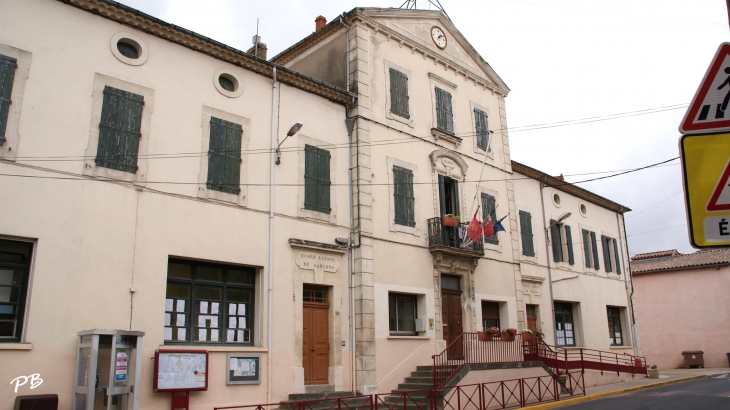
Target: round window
128,49
556,199
583,209
228,83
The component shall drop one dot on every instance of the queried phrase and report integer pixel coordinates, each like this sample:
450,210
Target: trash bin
694,358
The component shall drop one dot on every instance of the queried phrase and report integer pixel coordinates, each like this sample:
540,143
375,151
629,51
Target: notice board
181,370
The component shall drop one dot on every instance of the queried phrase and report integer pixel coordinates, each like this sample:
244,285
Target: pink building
682,303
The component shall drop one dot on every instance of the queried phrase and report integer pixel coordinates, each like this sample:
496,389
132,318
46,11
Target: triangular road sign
710,107
720,199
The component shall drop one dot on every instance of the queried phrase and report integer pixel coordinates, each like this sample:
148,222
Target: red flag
488,229
474,228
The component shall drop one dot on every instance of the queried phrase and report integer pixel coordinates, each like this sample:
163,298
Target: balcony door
449,195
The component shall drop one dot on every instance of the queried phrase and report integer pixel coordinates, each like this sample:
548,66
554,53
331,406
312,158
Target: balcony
446,239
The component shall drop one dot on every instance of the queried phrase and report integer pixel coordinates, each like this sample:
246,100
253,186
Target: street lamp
293,130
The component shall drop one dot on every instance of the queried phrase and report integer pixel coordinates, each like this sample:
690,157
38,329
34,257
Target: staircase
421,381
327,400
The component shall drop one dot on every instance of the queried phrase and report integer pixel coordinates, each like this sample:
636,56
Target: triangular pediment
416,25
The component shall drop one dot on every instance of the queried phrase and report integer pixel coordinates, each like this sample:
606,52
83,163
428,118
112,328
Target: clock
438,37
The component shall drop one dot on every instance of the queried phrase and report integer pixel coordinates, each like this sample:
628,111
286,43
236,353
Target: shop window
14,272
209,303
403,312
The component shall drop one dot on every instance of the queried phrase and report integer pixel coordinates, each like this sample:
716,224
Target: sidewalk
668,376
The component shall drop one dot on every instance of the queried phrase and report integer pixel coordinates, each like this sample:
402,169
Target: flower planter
653,373
507,337
484,336
449,221
528,337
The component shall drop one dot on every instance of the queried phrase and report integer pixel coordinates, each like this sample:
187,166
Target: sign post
705,152
180,372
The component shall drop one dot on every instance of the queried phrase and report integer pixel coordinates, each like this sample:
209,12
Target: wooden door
532,317
451,317
315,344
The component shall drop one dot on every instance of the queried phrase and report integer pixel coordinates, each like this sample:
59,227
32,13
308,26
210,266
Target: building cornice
186,38
357,16
568,188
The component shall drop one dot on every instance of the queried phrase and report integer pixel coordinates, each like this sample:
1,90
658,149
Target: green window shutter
119,130
606,253
444,114
7,74
403,196
594,245
557,243
399,93
316,179
224,156
482,129
586,247
569,244
615,251
528,247
489,204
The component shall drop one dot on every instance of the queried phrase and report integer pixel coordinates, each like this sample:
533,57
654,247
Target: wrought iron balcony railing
451,238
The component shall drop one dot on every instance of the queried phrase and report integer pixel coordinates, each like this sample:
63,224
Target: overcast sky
563,60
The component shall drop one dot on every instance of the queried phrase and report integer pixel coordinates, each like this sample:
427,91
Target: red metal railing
467,349
505,394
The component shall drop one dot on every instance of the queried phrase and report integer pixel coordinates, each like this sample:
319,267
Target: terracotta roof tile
671,260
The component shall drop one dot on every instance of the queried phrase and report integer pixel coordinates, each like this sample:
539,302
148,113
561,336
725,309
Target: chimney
319,22
259,51
560,177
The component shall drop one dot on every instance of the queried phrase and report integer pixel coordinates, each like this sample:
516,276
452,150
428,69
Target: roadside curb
616,392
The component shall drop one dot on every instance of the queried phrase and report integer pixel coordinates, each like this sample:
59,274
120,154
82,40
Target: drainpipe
351,249
269,339
634,330
547,254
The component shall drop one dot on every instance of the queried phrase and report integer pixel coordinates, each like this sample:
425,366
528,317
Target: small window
489,205
450,282
128,49
227,82
564,330
615,334
209,303
403,314
482,129
528,246
317,179
403,196
490,315
562,242
314,294
7,75
399,93
583,210
14,272
119,130
444,113
224,156
556,199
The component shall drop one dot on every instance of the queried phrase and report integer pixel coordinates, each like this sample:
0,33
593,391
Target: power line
658,203
657,230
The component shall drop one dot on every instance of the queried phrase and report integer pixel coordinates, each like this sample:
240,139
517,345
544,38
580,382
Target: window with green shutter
399,93
557,241
7,74
616,256
444,114
528,247
482,129
594,248
605,244
119,130
316,179
224,156
403,196
569,244
489,204
587,247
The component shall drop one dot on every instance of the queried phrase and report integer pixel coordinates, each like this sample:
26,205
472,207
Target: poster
181,370
243,368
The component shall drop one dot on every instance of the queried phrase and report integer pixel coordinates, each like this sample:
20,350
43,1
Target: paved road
704,394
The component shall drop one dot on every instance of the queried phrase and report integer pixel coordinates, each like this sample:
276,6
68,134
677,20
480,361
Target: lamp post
293,130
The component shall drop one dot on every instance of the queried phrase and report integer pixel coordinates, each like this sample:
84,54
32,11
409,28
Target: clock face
438,36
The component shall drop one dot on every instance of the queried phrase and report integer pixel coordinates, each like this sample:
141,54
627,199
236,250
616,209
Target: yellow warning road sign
706,174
